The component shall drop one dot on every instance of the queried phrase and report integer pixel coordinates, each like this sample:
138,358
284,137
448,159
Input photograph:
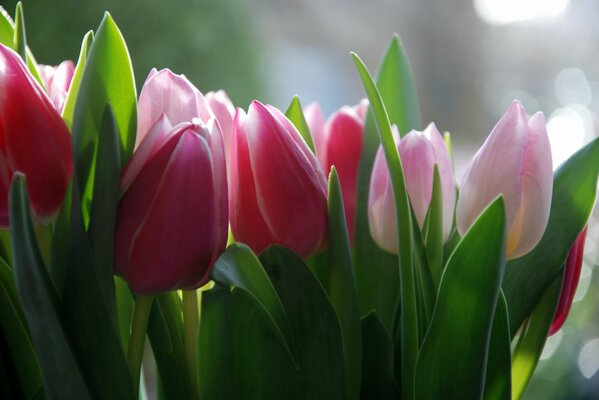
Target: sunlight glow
567,131
499,12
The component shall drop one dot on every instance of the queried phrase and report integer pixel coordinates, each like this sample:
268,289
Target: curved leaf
69,106
498,382
295,114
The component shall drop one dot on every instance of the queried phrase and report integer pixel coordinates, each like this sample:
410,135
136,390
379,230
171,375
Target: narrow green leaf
69,106
533,337
426,292
295,113
378,376
5,246
215,345
574,194
239,266
124,308
342,287
453,358
62,377
20,347
59,256
6,28
263,368
20,38
165,330
498,382
107,80
86,318
408,314
434,234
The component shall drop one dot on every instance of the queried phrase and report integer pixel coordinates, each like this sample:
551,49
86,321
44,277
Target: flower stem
191,326
135,351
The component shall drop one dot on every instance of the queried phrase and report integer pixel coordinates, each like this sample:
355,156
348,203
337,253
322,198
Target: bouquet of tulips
268,254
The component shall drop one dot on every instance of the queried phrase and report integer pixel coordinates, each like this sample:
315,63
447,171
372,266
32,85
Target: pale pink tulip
57,81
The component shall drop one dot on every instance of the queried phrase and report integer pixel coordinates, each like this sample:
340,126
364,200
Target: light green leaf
69,106
295,113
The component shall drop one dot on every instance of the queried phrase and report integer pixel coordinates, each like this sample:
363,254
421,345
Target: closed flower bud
419,153
57,81
172,217
34,140
515,161
277,191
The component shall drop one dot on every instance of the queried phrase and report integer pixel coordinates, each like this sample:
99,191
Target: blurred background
470,59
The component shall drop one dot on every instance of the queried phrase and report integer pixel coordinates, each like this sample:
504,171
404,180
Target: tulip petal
223,110
381,206
315,120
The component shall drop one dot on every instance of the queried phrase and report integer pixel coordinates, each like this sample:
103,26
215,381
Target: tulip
57,81
224,111
339,143
166,93
172,217
514,161
419,153
34,140
572,275
277,191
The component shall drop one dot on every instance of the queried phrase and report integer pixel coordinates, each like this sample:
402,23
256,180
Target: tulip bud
172,217
277,191
34,140
571,278
224,111
515,161
57,81
339,143
172,95
419,153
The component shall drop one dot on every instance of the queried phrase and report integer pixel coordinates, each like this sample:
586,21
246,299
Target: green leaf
263,368
378,375
533,337
295,114
20,347
62,377
453,358
59,256
86,317
239,266
574,194
215,345
69,106
408,323
342,287
107,80
124,308
20,44
6,28
434,234
498,382
165,330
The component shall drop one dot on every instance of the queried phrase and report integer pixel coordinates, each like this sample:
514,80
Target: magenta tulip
277,191
34,140
571,278
339,143
419,153
515,161
57,81
172,217
165,93
224,111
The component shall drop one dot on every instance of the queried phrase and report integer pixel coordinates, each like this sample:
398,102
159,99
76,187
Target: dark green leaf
165,330
69,105
574,194
498,382
342,287
408,316
107,80
12,322
124,308
453,358
263,368
20,43
434,231
295,113
533,337
216,345
239,266
62,377
59,256
378,376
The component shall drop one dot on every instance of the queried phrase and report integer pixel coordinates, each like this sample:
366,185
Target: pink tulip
515,161
172,95
573,267
419,153
277,191
224,111
172,218
57,81
339,143
34,140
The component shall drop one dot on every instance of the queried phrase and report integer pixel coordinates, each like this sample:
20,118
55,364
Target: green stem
191,327
141,315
